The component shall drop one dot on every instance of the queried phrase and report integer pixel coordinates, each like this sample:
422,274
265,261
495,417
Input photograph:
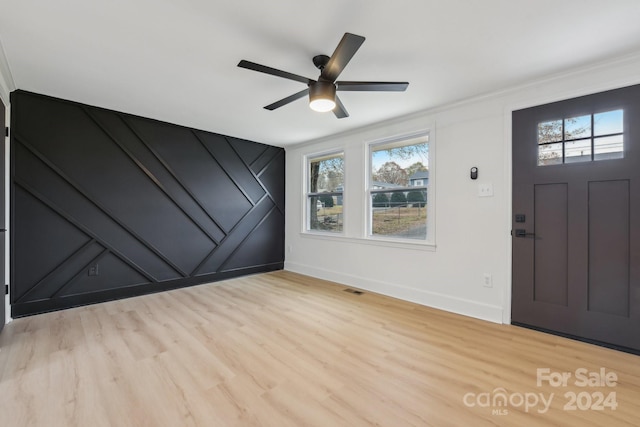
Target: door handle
521,232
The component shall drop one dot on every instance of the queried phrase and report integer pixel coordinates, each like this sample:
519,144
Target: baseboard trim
62,303
440,301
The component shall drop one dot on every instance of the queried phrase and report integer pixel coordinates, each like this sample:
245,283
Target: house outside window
419,179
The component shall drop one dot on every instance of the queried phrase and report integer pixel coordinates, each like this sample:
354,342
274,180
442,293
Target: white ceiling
175,60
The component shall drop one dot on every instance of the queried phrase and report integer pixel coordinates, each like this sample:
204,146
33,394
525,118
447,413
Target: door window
584,138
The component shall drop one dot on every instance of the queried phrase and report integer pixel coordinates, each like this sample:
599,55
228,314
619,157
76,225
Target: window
325,186
398,188
581,139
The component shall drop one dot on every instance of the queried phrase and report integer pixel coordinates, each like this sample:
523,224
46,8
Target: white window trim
306,214
402,244
397,141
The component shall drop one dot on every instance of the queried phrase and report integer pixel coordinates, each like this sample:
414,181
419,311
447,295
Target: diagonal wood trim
148,173
52,273
94,260
102,208
235,181
238,247
268,163
32,191
262,171
257,158
173,173
263,162
257,178
231,234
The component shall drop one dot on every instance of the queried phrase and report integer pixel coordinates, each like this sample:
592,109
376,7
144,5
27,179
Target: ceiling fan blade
288,99
372,86
273,71
347,47
339,110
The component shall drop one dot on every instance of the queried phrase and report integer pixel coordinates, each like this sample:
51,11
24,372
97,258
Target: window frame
307,194
392,142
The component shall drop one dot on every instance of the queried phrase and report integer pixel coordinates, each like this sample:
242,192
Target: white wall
6,87
472,233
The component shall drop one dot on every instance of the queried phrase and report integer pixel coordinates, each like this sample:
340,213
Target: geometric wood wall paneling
154,205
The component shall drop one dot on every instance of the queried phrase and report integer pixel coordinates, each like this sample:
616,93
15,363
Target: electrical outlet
487,280
485,190
93,270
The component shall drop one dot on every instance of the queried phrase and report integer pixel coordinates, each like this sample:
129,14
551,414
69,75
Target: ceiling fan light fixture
322,92
322,105
322,96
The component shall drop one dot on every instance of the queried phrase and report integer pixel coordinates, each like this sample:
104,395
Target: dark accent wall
107,205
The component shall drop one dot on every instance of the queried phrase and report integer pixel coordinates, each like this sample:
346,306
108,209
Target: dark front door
576,223
2,217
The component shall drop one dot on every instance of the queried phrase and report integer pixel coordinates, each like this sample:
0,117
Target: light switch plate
485,190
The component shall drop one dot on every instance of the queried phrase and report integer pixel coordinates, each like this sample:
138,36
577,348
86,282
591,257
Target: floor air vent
354,291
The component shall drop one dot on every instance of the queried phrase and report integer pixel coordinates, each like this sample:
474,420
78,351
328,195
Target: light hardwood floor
281,349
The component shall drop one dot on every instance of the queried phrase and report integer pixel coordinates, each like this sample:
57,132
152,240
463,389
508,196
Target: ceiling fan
322,92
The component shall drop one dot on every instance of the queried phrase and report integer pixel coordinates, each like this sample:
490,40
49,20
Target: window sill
417,246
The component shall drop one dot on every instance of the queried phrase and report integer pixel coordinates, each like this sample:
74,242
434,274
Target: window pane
326,174
399,173
550,154
577,151
608,122
577,127
550,131
325,213
577,139
393,166
610,147
401,213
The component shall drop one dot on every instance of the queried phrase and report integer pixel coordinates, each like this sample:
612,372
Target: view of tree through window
398,189
581,139
325,193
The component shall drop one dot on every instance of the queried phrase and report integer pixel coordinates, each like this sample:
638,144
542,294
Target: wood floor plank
286,350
